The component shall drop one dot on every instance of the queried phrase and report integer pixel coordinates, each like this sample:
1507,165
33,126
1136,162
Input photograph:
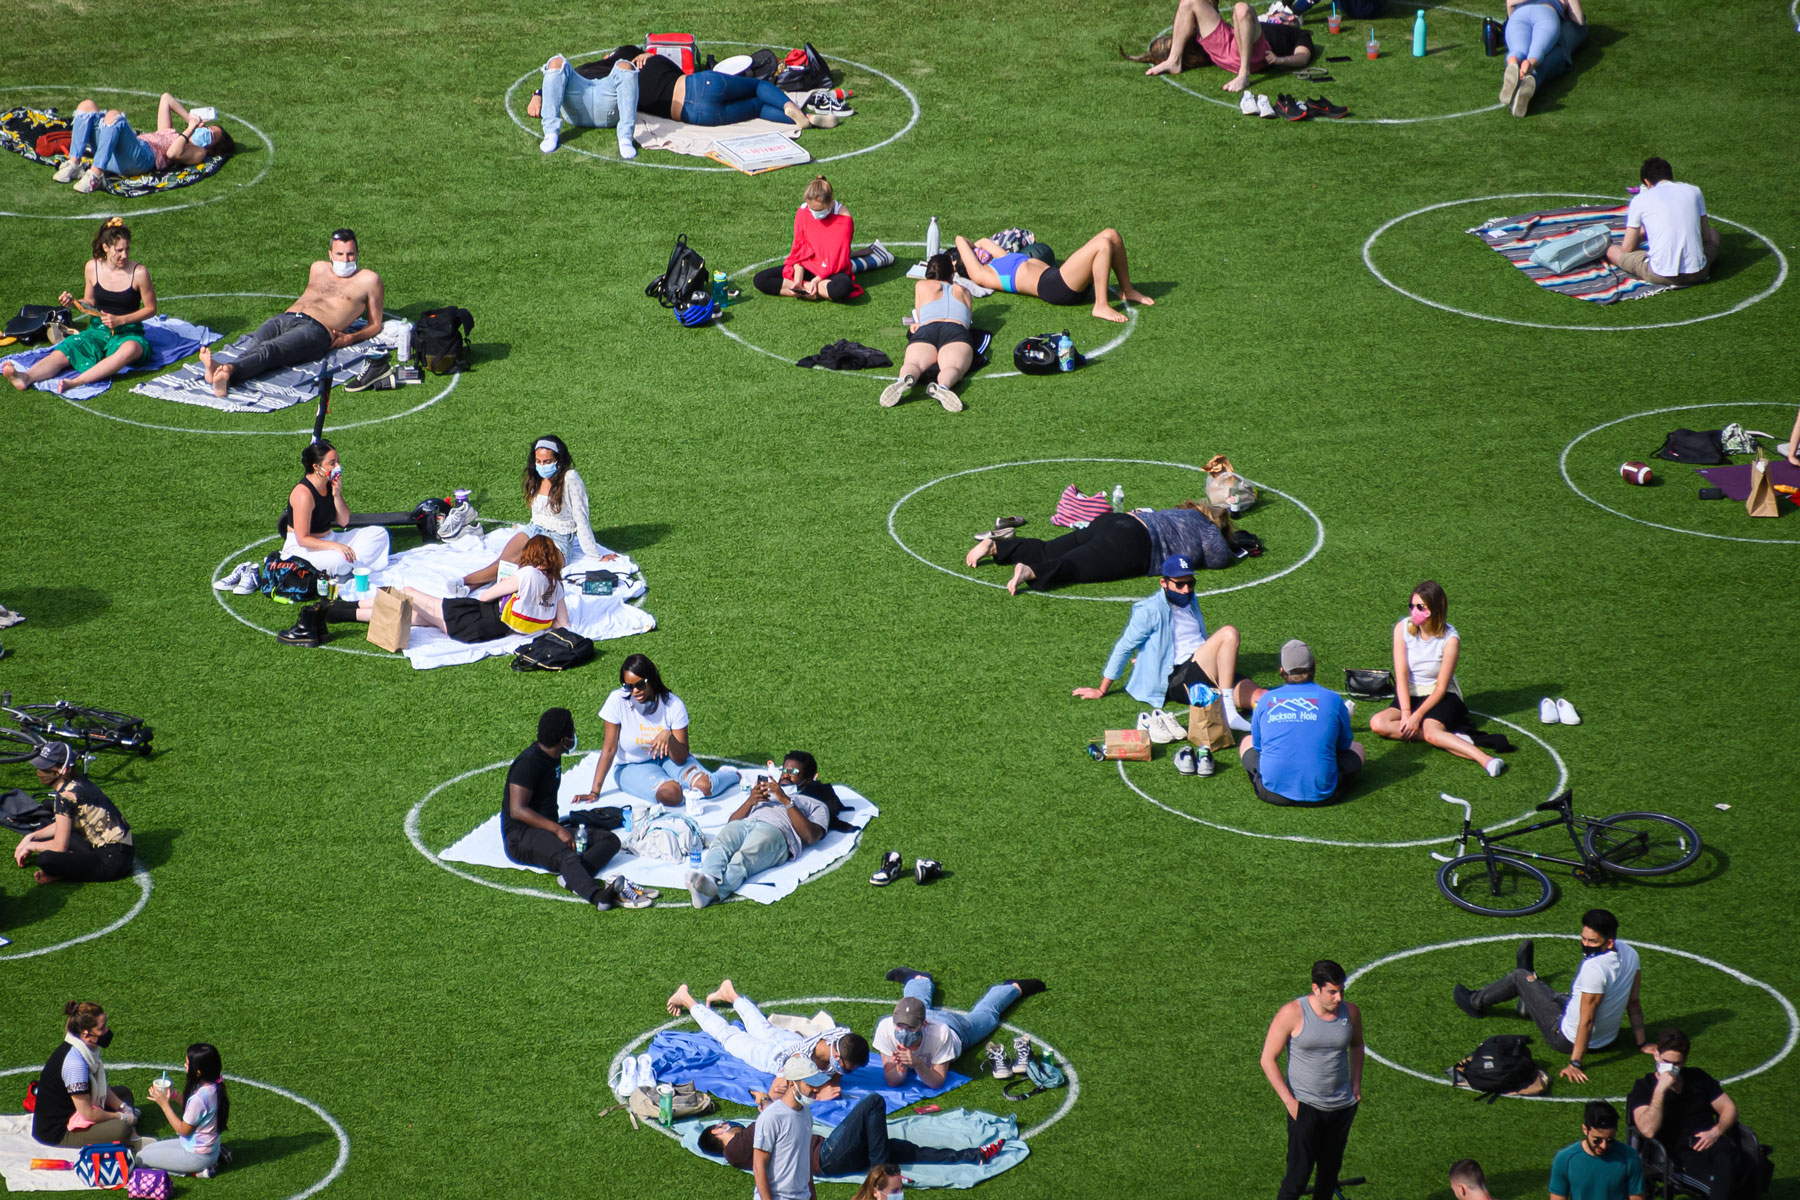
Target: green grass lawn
789,527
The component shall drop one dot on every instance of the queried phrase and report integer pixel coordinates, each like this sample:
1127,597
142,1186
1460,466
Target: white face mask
343,270
820,216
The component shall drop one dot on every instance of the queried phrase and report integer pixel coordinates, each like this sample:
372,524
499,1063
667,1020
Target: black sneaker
925,870
1319,106
377,374
892,868
1290,109
1465,1000
822,101
905,975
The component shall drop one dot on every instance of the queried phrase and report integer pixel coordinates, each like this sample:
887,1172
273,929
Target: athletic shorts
1221,46
1179,678
1052,290
941,334
1450,710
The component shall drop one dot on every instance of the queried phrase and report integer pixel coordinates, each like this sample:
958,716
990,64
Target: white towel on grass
482,846
679,137
18,1148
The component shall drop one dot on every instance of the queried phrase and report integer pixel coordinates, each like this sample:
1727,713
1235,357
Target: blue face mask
547,470
908,1037
1178,599
203,137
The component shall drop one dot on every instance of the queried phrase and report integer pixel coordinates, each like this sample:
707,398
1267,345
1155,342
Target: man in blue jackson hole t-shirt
1300,750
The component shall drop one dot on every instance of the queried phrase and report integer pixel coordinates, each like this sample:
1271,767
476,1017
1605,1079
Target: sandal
1314,75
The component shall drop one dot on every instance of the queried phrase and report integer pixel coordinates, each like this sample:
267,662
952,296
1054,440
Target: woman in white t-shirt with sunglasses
647,732
1428,705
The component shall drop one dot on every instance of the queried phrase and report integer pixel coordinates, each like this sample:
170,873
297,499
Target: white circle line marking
141,212
1318,542
1369,262
448,388
1562,781
1562,465
639,161
1062,1111
1131,317
141,876
1787,1005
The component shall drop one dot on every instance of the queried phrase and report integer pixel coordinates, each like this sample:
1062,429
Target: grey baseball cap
1296,655
910,1013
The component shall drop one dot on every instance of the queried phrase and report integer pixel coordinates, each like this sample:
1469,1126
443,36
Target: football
1636,472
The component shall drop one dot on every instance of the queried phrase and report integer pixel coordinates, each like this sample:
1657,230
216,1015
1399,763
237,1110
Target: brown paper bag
390,626
1206,726
1130,744
1762,493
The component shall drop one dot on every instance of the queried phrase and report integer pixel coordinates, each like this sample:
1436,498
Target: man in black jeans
1686,1110
532,835
859,1142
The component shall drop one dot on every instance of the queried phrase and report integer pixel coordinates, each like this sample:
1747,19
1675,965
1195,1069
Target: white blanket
482,847
17,1149
434,568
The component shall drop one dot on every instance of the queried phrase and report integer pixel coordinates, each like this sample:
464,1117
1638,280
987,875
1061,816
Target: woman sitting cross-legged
198,1114
120,150
1428,705
1081,279
820,265
942,335
316,505
120,291
88,839
647,732
559,511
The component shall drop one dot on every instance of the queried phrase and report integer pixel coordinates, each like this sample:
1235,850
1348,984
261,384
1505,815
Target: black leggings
1052,290
861,1140
837,287
1114,546
81,863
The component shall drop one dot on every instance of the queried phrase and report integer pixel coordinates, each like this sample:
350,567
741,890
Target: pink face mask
1418,617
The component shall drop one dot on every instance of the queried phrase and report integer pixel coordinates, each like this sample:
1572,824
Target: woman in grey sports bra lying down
989,264
941,335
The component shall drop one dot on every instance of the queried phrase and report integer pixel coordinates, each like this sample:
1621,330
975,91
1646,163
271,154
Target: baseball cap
1296,655
53,756
800,1068
1177,566
910,1012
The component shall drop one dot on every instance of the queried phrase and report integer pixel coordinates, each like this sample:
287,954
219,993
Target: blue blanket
957,1128
696,1058
171,339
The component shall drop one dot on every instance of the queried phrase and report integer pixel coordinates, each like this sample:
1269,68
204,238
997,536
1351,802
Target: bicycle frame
1489,843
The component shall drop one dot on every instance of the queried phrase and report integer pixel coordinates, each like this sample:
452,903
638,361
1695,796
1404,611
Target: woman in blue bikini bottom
988,264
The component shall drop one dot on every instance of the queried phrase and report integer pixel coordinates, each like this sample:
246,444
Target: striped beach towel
1517,237
1077,509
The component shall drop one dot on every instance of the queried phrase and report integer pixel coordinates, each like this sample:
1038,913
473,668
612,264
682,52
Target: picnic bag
1761,502
554,650
440,340
1501,1066
1206,719
104,1166
1562,254
34,321
1225,487
1074,507
664,836
289,579
645,1102
148,1183
390,625
684,281
1369,683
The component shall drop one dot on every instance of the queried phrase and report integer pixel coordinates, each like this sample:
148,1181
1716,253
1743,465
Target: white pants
759,1043
370,544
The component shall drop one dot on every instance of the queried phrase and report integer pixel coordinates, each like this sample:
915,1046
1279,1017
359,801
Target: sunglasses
1179,585
1421,608
635,685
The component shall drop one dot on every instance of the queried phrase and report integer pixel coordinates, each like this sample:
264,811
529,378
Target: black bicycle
1498,881
90,728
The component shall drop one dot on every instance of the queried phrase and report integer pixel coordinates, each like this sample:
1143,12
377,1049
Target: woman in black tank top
119,297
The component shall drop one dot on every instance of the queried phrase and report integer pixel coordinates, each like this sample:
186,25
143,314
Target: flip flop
1314,75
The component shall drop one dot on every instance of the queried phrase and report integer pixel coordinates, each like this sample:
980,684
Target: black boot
309,629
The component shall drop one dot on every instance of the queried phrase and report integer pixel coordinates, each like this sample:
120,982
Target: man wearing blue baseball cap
1168,635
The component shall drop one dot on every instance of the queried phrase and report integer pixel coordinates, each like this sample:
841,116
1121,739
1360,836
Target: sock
1233,719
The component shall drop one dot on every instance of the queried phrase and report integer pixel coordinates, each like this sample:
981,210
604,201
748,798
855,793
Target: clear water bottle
1118,497
581,834
694,857
1065,351
933,239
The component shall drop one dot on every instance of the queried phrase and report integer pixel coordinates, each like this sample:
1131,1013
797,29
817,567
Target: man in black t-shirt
531,833
1686,1110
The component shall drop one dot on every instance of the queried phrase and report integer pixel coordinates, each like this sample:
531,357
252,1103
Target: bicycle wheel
17,745
1642,843
1495,886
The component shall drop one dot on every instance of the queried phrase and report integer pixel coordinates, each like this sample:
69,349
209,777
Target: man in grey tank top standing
1322,1034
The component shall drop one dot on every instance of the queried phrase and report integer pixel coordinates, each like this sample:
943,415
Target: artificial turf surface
461,1035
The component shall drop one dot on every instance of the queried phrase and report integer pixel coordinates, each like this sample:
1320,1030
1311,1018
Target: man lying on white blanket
770,827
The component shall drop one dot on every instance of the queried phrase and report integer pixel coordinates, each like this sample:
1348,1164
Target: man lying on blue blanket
837,1051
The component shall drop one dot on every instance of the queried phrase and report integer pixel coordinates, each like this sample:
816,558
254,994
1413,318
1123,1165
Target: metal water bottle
932,238
718,289
1419,35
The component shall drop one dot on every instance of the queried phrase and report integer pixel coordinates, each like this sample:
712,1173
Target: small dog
1192,56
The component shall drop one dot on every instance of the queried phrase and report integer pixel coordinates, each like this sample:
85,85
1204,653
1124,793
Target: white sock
1233,718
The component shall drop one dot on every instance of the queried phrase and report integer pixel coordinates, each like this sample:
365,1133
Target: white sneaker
1547,713
548,145
88,182
1263,107
68,171
1160,726
1350,707
1247,105
1567,712
1496,767
944,396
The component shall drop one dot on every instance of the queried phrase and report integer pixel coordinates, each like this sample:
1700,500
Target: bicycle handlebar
1468,816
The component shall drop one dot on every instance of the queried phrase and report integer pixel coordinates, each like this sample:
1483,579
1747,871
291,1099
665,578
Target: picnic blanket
171,339
18,1148
482,846
1734,481
276,390
681,1057
20,129
678,137
1517,237
435,567
955,1129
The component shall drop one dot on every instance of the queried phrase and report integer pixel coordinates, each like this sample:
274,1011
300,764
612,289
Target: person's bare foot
63,383
724,993
1236,84
43,876
1136,297
12,376
1106,313
219,377
535,108
1169,66
1021,574
681,1001
982,549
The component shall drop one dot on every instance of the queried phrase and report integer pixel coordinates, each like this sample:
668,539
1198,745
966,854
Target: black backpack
1499,1065
427,515
22,812
684,281
811,74
763,65
1706,447
554,650
289,579
33,323
440,340
1036,355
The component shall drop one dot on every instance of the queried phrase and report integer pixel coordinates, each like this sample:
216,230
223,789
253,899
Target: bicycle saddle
1556,805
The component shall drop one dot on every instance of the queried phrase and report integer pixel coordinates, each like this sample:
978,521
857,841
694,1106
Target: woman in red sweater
819,266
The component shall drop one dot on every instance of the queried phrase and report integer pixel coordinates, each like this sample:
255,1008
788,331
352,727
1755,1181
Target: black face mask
105,1039
1588,951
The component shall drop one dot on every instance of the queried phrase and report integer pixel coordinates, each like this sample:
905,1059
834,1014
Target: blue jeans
715,99
591,103
742,849
117,147
641,779
980,1022
1541,33
568,543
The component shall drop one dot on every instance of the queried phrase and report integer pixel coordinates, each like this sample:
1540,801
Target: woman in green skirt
121,295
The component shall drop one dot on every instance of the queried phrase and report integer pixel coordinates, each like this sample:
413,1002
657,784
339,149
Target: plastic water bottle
1065,351
694,857
932,238
718,289
627,814
1118,497
581,834
1419,35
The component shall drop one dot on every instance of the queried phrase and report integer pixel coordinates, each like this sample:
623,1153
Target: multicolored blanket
20,129
1517,237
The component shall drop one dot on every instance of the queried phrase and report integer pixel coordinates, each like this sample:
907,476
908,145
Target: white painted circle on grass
1318,542
1562,781
305,431
886,1005
1131,315
1369,262
1562,464
640,161
140,875
1173,82
142,212
331,1122
1787,1006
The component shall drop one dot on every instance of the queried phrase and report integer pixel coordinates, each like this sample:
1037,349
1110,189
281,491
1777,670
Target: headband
547,444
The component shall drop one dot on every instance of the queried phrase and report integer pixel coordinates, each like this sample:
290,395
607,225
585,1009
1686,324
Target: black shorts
470,620
1349,766
1052,290
1450,710
1185,673
941,334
